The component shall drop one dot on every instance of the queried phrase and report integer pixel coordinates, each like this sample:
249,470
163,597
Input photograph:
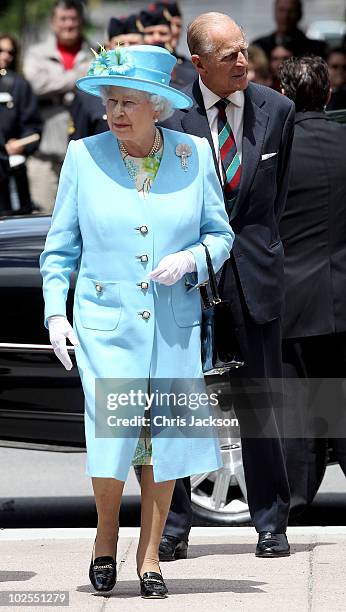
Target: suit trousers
307,363
257,395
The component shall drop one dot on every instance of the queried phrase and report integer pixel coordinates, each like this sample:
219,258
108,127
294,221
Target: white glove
59,330
173,267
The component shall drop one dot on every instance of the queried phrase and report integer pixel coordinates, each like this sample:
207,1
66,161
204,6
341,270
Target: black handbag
220,348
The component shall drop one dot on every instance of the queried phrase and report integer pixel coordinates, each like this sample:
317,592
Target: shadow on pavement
130,588
13,576
203,550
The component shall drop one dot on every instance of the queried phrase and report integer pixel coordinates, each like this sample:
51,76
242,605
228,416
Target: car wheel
220,498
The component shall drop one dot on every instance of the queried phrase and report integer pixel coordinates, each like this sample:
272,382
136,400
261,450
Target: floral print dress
142,171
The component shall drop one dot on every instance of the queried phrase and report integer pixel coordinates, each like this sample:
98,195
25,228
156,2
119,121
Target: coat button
143,257
98,287
145,314
143,229
143,285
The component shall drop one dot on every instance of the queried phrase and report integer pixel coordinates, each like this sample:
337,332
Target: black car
42,403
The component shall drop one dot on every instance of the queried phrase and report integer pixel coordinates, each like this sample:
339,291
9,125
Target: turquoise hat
143,67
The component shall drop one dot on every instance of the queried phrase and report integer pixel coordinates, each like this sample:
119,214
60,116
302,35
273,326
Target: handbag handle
212,283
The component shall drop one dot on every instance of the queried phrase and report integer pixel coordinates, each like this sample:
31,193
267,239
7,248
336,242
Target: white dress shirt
234,114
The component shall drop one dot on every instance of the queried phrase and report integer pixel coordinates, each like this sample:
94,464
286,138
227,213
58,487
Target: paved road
220,574
43,488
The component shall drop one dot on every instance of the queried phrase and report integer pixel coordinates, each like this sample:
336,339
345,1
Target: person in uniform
134,209
162,26
88,116
19,118
176,20
124,31
172,14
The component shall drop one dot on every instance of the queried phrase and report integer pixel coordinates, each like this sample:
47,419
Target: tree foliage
19,16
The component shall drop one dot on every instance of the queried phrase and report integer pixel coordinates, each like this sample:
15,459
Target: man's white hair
159,103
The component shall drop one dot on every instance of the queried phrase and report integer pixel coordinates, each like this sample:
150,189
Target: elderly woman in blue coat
133,207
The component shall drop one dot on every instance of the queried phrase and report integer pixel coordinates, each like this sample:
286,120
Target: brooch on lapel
183,151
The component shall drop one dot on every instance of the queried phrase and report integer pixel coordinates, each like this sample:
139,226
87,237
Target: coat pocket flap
98,303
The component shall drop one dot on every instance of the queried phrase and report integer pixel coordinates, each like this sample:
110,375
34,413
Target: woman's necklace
154,149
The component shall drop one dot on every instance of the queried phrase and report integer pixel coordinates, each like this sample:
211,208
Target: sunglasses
9,51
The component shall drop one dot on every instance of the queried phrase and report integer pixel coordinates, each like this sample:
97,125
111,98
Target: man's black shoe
272,545
172,548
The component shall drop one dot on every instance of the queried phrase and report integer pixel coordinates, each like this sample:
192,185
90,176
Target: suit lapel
195,121
255,125
256,120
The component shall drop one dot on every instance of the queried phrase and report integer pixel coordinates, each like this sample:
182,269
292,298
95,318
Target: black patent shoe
172,548
152,585
272,545
103,572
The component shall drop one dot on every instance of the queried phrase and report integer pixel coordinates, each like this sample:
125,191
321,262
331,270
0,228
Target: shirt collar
210,98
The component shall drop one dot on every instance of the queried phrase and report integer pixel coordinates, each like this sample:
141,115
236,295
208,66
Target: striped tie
229,154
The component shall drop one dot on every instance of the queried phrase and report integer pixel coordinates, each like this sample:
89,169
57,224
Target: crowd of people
54,112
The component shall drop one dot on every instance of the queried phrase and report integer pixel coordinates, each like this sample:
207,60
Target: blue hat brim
92,84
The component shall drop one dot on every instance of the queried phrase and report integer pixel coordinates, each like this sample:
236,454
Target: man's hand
59,330
13,148
173,267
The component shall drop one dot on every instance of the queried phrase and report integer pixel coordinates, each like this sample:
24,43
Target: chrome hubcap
224,491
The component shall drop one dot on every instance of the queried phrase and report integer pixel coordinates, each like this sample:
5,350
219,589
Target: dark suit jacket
313,229
257,249
184,72
88,116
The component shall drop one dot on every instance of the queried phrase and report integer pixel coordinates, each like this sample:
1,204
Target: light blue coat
98,229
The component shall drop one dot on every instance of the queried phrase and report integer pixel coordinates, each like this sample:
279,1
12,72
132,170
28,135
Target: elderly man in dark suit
250,129
313,230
